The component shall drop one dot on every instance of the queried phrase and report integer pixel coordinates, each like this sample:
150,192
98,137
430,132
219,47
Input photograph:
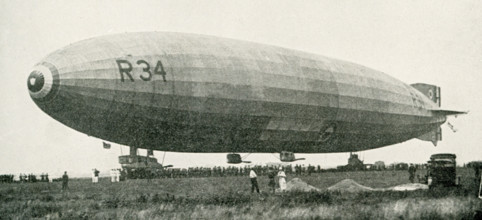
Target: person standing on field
65,181
254,181
95,176
272,183
282,179
112,175
477,167
117,175
411,172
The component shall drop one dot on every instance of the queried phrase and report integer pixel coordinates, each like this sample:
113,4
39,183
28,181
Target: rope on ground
275,156
244,157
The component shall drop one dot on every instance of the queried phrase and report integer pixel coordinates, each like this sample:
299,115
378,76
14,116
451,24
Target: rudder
431,91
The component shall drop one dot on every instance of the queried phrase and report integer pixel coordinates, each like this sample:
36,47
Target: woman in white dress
282,179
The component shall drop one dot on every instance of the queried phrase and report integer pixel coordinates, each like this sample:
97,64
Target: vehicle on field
140,167
441,170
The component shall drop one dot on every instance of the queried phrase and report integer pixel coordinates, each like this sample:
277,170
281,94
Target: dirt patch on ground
349,185
409,187
297,184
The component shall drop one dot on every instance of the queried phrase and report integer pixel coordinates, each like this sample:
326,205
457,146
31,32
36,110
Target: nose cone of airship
43,82
36,81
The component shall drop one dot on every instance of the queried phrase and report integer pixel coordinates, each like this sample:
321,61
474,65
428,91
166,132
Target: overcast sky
436,42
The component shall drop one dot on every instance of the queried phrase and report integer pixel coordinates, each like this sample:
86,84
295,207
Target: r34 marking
125,68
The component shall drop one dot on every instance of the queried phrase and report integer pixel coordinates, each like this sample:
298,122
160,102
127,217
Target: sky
436,42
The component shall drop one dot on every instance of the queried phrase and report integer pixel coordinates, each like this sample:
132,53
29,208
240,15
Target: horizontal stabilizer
433,136
448,112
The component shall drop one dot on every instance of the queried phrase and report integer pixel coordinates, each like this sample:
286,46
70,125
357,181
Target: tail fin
433,136
431,91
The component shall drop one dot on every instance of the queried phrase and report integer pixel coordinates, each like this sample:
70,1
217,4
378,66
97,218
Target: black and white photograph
218,109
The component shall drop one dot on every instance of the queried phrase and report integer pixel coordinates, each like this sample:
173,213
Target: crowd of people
229,171
6,178
115,175
31,178
24,178
217,171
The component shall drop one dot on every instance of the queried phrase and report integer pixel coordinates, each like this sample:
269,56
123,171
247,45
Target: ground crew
411,172
272,183
112,176
65,181
477,167
282,179
95,176
254,181
117,175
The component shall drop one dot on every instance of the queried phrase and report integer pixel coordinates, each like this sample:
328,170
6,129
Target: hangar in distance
195,93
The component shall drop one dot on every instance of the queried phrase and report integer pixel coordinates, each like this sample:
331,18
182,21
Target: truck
442,170
139,167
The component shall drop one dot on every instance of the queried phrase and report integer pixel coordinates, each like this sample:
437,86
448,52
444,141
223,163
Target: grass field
230,197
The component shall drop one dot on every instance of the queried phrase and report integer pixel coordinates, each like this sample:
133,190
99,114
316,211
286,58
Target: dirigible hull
195,93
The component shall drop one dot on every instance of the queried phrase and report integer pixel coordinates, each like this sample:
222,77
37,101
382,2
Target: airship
195,93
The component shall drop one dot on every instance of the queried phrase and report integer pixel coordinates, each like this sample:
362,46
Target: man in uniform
254,181
271,176
95,176
282,179
65,181
411,172
112,175
477,167
117,175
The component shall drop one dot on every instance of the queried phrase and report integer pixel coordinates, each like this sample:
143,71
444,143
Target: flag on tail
106,145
